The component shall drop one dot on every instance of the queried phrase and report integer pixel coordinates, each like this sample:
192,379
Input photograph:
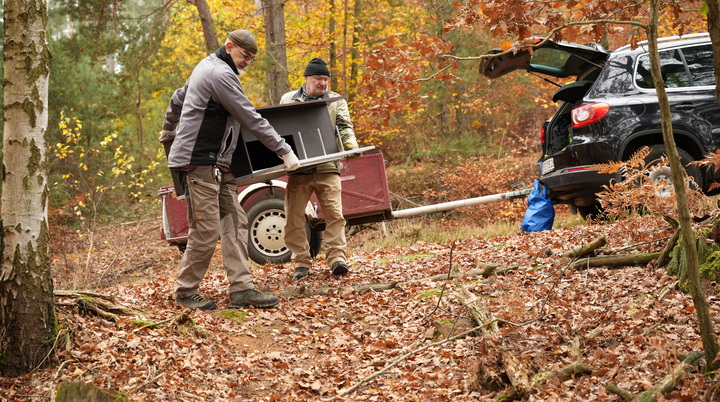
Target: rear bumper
577,185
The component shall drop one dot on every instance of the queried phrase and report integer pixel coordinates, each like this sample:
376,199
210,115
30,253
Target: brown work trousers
214,211
328,190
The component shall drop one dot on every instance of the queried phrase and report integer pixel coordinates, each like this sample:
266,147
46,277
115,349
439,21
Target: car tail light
586,114
542,135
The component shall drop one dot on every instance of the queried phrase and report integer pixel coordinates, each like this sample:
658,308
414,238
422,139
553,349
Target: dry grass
440,228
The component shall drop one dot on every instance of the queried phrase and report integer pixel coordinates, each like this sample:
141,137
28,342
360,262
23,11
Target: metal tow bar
446,206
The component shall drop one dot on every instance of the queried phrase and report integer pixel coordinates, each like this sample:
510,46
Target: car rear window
550,61
691,66
700,63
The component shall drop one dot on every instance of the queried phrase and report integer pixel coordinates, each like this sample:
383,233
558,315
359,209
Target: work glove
291,161
349,145
167,135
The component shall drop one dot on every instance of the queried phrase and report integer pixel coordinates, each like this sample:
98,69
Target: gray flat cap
244,39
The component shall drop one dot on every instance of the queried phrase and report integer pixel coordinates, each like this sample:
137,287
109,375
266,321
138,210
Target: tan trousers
328,190
214,210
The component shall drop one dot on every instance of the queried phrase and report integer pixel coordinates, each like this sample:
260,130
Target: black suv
611,109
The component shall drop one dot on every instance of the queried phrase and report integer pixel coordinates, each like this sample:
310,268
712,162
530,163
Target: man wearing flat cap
203,120
323,180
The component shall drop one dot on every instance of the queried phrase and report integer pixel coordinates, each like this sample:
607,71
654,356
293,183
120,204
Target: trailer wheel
266,237
266,224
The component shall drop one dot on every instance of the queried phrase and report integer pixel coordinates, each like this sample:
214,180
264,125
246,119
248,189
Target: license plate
548,166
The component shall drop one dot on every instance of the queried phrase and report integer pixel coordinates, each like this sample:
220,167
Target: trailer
365,198
306,127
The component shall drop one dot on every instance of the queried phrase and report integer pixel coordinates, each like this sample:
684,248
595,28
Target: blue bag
540,213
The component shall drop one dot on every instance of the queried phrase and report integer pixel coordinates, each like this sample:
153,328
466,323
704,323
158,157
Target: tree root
99,304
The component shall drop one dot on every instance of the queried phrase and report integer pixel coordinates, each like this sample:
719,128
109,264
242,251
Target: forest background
408,69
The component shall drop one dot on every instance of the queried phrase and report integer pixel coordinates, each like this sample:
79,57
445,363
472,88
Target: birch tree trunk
27,315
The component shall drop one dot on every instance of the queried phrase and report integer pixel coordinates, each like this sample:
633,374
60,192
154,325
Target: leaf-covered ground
631,323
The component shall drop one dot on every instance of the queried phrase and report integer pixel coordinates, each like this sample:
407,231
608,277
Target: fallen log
622,260
666,384
564,374
663,258
587,248
520,378
479,314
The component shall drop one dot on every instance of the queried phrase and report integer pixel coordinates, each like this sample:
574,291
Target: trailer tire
266,238
266,226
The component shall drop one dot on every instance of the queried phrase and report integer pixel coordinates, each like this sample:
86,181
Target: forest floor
334,338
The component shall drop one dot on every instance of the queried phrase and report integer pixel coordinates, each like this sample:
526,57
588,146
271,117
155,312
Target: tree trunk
27,315
354,52
332,47
678,177
277,76
713,18
211,38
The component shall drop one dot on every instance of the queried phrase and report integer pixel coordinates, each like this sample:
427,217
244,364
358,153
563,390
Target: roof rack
670,38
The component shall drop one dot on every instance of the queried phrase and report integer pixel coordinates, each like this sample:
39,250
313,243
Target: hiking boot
339,268
196,301
252,297
301,272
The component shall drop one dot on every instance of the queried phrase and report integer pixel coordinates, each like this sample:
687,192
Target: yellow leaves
92,169
108,139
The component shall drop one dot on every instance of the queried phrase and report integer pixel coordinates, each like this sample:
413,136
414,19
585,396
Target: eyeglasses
321,78
245,54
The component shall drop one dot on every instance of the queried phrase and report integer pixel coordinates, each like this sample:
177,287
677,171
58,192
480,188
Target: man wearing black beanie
317,66
323,180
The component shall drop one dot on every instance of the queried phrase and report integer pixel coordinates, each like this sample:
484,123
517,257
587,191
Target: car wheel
655,156
266,226
591,212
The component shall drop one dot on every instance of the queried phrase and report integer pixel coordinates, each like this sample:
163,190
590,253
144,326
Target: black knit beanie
317,67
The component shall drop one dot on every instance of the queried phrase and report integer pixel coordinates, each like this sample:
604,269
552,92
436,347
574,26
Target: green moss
416,256
407,257
233,315
708,259
429,293
710,268
146,324
87,298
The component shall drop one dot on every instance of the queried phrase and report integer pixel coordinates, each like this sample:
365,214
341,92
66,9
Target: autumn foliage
646,189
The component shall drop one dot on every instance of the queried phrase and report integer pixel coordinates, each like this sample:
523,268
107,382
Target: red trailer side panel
365,189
